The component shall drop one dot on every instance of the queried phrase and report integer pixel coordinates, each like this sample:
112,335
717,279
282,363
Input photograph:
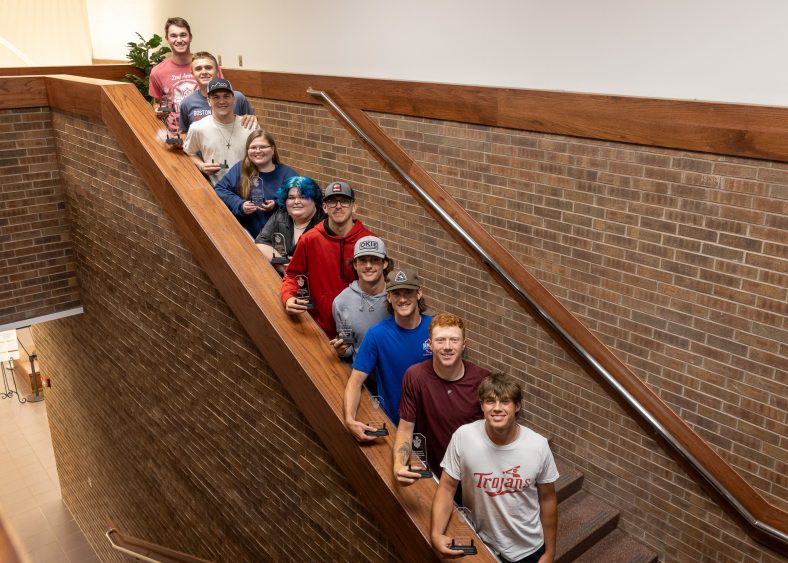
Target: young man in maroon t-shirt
438,396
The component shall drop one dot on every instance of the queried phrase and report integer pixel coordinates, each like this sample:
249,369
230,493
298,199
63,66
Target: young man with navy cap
323,256
217,142
195,107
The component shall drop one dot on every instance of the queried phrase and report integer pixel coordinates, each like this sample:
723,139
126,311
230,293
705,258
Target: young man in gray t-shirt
508,480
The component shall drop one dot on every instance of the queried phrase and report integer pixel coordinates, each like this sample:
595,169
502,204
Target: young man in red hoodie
323,255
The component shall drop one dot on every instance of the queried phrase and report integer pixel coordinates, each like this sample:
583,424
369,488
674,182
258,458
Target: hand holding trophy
280,248
417,462
462,539
379,423
345,328
302,293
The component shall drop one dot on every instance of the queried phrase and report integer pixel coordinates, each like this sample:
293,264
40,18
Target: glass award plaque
164,103
417,463
256,193
302,293
281,249
379,423
344,328
171,118
463,539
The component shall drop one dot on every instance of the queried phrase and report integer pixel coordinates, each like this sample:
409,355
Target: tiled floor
29,489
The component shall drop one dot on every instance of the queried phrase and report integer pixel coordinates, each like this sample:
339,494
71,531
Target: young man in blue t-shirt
389,348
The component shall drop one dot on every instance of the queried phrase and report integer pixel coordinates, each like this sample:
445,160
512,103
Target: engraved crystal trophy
256,196
344,328
463,540
417,463
281,249
170,117
302,293
379,423
164,103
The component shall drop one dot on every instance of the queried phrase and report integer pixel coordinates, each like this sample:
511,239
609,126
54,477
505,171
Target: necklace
226,140
369,303
297,228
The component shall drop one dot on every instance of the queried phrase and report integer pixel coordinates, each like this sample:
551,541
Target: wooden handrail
745,130
764,522
250,287
114,71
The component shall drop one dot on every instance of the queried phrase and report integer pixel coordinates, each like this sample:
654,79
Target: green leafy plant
144,56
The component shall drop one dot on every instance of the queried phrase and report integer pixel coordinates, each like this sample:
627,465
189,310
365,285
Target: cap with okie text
219,84
369,246
338,188
403,279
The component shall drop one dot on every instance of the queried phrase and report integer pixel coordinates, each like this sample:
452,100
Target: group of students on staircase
374,314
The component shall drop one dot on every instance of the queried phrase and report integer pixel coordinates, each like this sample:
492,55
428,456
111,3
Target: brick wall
678,261
37,268
165,420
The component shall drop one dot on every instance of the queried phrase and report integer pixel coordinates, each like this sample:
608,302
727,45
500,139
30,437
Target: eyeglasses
259,148
338,202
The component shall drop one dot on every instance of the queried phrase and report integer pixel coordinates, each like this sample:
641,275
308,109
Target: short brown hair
180,22
501,386
206,55
446,319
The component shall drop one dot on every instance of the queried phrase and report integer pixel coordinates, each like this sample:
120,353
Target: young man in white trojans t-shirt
508,480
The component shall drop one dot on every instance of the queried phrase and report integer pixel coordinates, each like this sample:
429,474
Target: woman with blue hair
300,208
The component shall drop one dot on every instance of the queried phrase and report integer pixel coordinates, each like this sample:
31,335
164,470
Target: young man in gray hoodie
363,303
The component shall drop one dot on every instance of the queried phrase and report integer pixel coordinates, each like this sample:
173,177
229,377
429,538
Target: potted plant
144,56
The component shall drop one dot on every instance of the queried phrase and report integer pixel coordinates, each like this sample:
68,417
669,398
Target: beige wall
707,49
44,33
115,23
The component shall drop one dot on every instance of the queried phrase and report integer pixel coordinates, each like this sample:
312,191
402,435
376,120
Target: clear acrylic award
417,462
302,293
379,421
463,538
344,328
281,248
256,195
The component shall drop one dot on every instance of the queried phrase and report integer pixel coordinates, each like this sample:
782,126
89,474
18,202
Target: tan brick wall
165,419
677,261
37,267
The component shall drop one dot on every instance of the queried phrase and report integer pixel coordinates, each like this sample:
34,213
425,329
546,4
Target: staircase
587,526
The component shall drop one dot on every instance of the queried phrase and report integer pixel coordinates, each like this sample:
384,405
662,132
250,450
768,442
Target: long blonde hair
248,169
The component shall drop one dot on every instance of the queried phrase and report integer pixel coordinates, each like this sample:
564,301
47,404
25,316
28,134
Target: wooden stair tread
583,520
570,480
617,547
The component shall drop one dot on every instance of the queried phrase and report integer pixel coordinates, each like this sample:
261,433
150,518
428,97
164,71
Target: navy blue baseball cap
219,84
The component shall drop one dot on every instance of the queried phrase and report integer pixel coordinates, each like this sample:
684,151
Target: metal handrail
142,550
598,368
